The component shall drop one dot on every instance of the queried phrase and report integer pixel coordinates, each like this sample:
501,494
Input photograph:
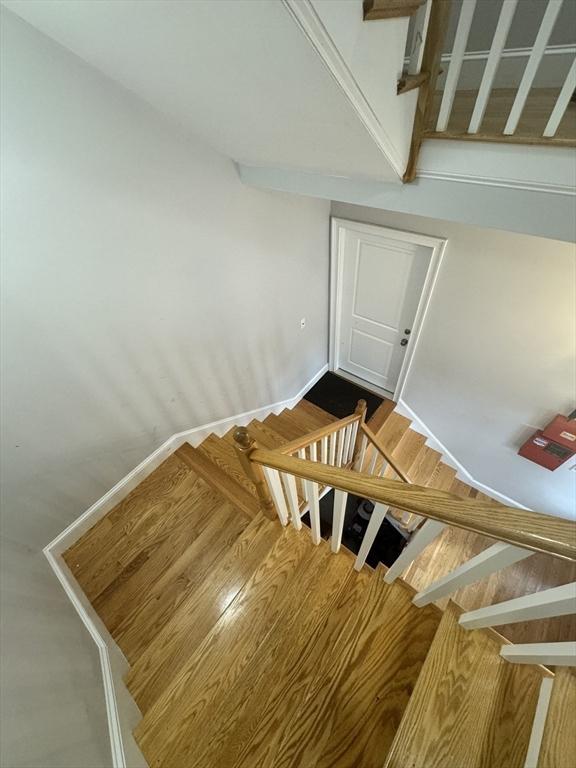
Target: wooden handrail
383,452
520,527
317,434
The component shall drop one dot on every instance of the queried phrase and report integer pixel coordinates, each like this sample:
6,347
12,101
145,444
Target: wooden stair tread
393,431
319,414
204,603
558,748
224,456
159,484
219,479
301,420
155,554
442,477
423,467
284,425
151,523
242,730
470,708
378,419
150,611
225,652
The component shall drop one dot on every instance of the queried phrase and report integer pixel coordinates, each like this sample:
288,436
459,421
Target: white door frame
437,245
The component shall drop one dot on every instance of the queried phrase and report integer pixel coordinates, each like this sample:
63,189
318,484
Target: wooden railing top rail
385,453
520,527
318,434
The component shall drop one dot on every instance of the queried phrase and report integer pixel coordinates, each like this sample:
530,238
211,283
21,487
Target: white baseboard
122,712
448,458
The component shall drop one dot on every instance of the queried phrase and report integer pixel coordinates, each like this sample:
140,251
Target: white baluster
313,452
350,454
341,440
347,436
558,601
289,482
302,455
373,462
456,59
421,20
376,519
562,654
275,486
383,468
533,752
332,448
340,498
360,462
312,496
562,102
429,531
498,42
324,450
538,50
493,559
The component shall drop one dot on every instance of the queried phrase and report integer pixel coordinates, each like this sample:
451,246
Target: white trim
490,181
121,710
448,458
438,247
304,14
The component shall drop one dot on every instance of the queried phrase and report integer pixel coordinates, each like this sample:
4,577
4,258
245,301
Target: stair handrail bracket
523,528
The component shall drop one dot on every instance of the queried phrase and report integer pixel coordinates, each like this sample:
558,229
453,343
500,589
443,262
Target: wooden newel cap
242,437
361,406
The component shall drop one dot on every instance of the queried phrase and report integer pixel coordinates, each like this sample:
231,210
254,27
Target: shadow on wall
117,409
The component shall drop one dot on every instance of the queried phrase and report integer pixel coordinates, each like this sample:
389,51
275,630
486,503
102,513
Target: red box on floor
544,451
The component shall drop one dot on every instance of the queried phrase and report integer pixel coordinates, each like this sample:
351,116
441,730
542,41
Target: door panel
381,280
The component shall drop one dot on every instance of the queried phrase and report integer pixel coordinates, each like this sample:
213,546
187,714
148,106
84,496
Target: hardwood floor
249,646
450,720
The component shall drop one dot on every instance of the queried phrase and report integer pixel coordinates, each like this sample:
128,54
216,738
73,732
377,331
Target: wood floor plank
136,610
310,717
137,535
558,749
283,425
224,456
424,466
225,652
393,431
376,686
198,612
243,725
460,714
219,479
158,485
378,419
322,417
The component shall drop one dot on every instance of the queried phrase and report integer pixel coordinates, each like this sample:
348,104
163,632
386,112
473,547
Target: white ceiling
238,73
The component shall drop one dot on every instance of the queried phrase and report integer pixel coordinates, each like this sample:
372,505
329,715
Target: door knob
403,342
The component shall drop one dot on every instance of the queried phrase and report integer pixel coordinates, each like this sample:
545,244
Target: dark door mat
339,396
388,544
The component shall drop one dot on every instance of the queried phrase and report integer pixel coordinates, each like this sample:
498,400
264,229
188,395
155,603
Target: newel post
360,410
244,445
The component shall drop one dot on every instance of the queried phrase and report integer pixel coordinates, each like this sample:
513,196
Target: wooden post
360,410
244,445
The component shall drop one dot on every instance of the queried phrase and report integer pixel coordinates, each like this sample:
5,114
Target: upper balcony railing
475,95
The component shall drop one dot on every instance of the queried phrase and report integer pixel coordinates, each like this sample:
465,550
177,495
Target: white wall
146,290
496,356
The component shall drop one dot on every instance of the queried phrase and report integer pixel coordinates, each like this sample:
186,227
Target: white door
381,280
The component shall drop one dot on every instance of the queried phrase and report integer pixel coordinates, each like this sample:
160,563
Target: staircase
249,645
